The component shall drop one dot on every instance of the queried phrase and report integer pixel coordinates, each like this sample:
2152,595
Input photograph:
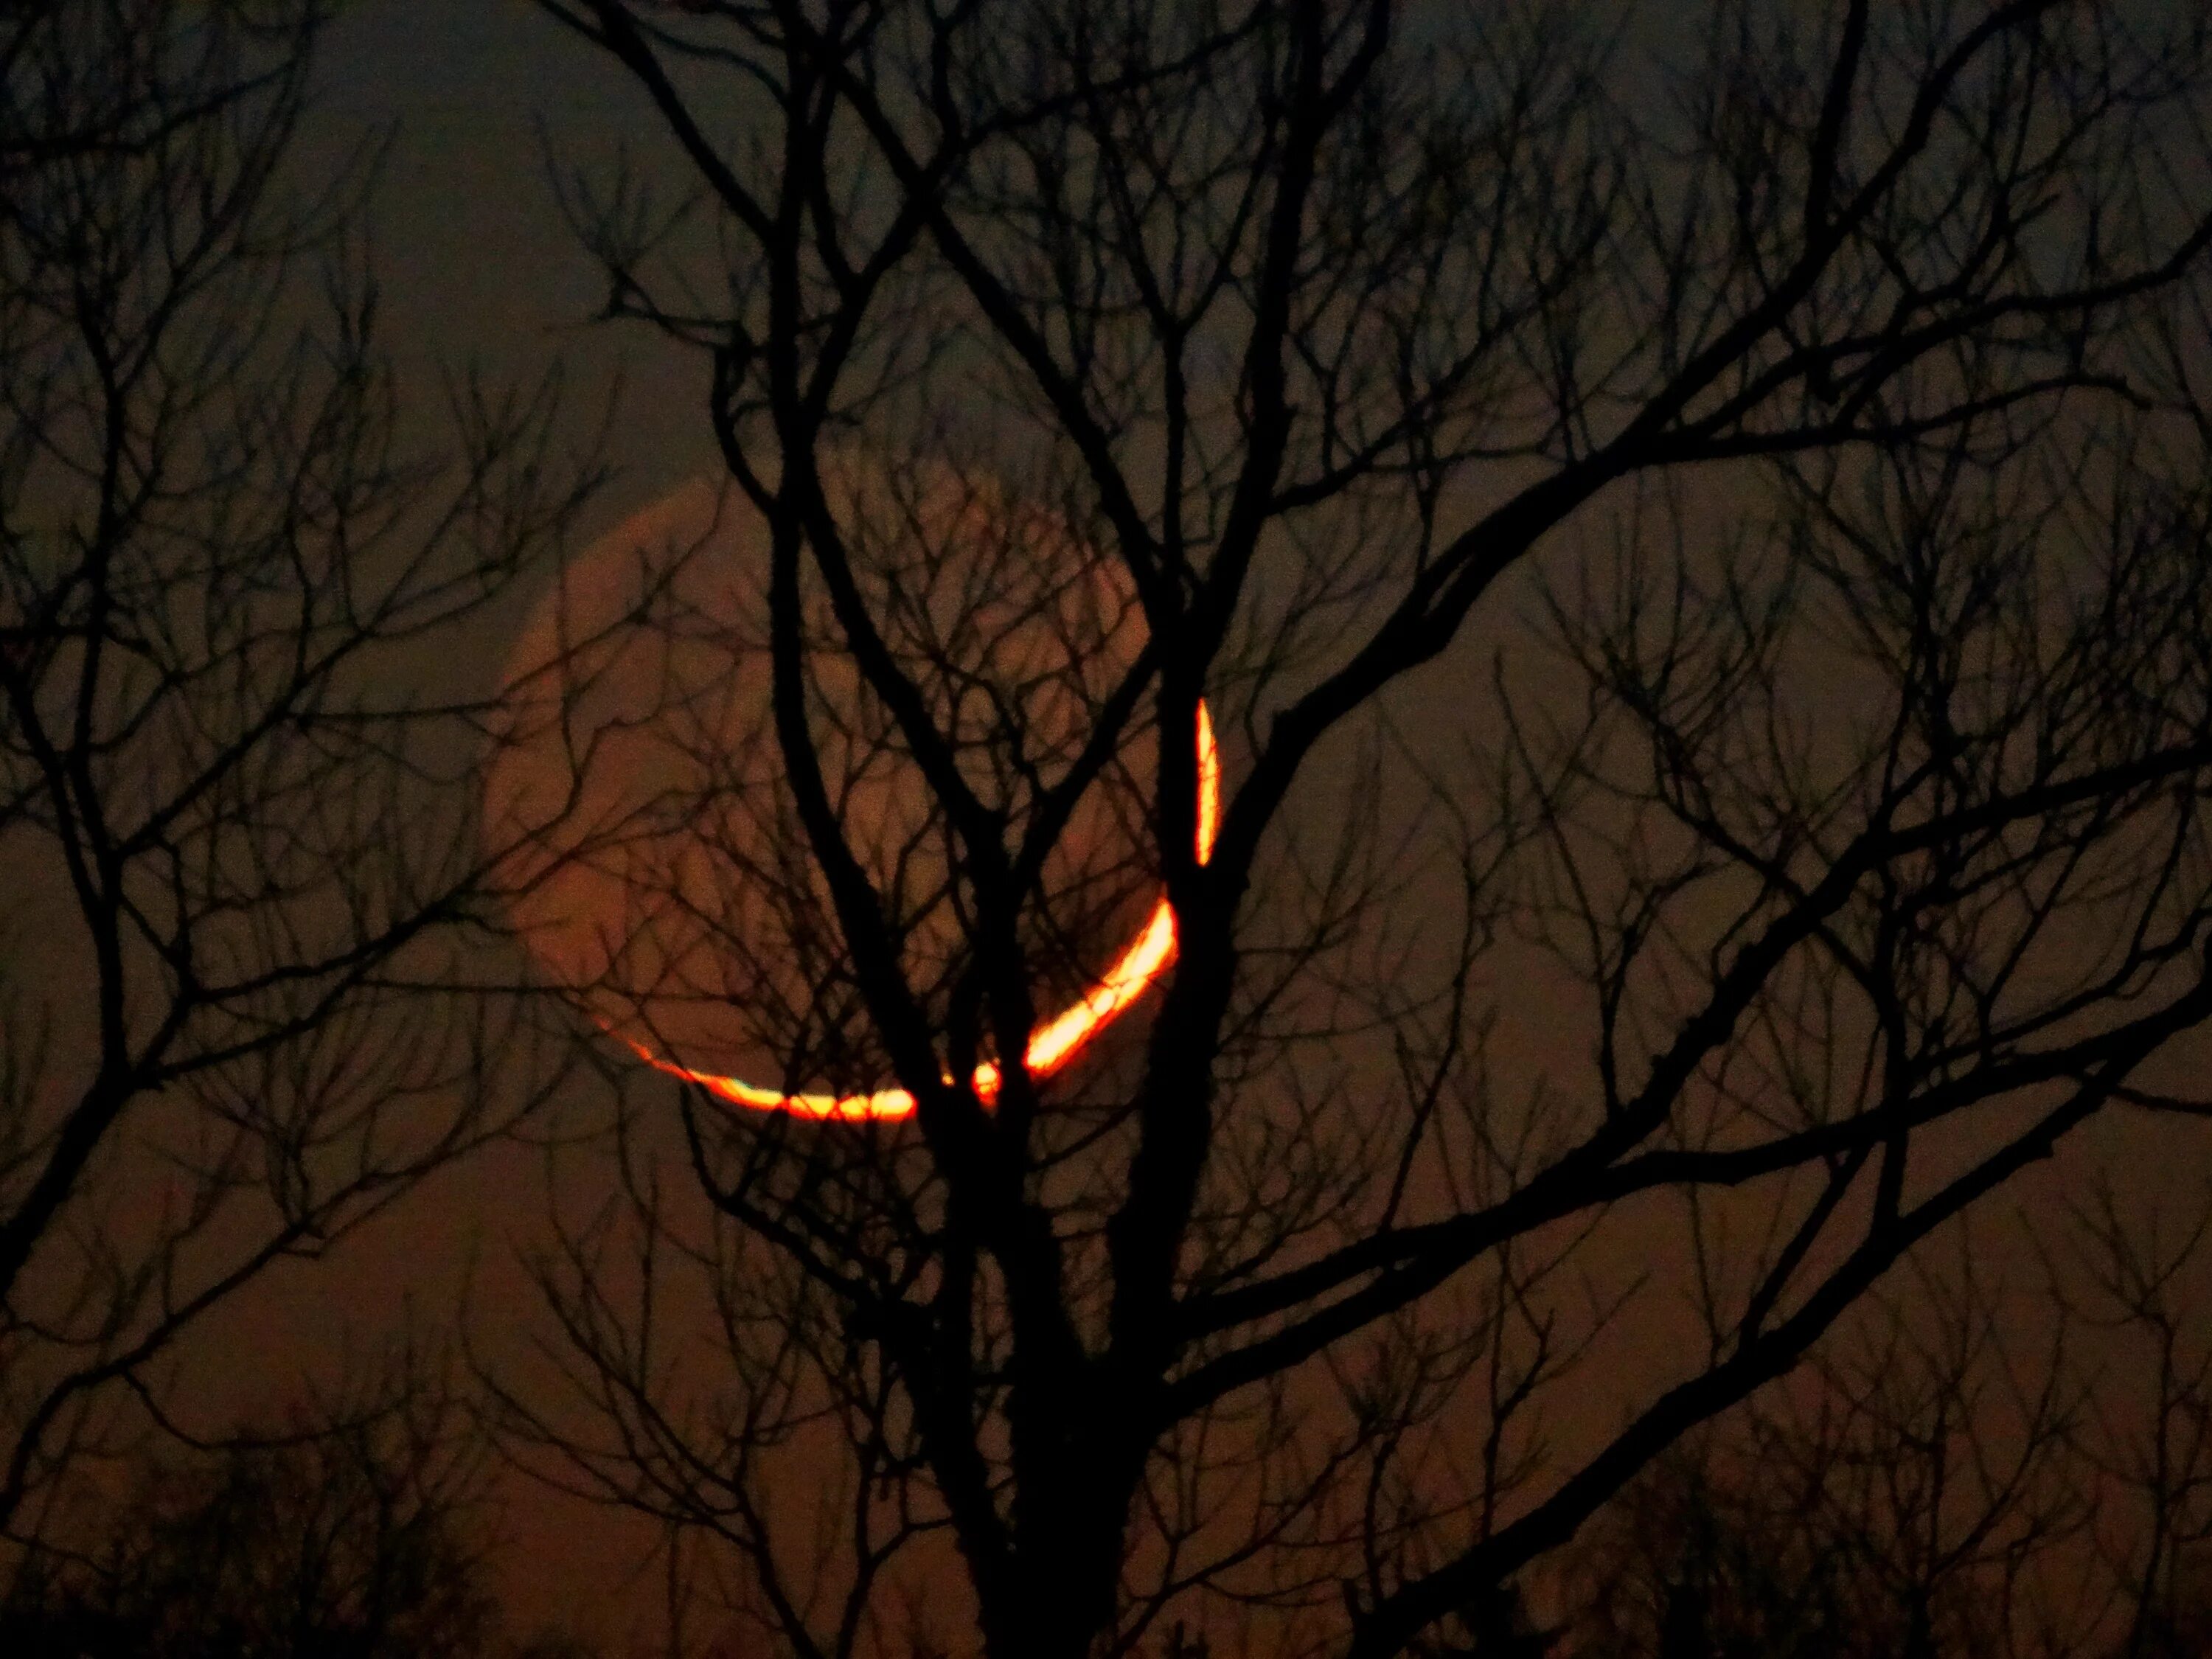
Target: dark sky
477,262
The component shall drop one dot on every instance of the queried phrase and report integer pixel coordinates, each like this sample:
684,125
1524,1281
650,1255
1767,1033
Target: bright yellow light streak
1052,1044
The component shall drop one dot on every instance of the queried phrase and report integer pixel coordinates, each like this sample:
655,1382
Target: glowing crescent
1052,1044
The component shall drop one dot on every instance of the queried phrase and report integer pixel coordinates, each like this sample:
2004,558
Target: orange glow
1052,1044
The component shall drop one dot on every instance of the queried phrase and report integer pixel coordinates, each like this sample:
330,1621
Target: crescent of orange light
1052,1044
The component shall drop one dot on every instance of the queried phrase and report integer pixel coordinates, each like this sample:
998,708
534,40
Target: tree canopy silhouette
237,765
1692,535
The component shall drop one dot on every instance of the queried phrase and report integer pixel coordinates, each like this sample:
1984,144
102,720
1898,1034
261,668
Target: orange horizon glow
1051,1046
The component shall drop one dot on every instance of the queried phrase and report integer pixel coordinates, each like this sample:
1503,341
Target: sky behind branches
480,98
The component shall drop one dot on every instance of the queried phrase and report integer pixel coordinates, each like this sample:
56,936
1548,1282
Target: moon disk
1052,1044
590,754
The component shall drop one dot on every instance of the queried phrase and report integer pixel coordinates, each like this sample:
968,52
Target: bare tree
238,715
1941,1487
1914,1492
1799,417
350,1532
357,1527
2145,1446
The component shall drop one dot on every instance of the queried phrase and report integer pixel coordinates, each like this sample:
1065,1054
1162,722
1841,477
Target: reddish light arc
1051,1046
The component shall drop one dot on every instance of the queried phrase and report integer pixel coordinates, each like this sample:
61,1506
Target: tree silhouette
1692,540
236,771
352,1537
1936,1490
